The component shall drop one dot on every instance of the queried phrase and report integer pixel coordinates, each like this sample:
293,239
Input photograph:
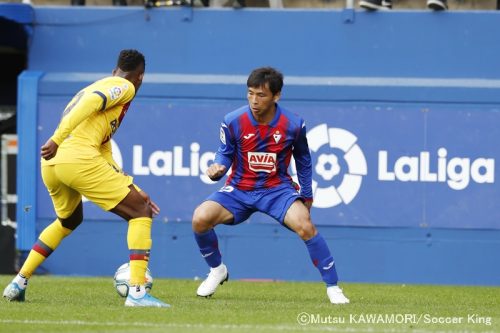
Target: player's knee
138,207
74,220
306,231
201,221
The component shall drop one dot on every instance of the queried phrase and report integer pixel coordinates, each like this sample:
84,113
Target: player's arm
49,149
79,109
106,95
224,156
82,106
303,164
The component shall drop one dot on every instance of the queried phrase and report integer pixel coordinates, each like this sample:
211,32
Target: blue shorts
273,201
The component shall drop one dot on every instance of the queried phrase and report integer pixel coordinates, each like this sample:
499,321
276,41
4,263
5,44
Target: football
122,277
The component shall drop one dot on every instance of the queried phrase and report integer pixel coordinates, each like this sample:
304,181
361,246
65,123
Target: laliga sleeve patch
222,136
115,92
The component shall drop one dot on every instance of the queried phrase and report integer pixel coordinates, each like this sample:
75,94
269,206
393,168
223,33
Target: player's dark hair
260,76
129,60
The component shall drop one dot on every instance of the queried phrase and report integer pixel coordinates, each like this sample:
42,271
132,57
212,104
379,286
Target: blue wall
415,85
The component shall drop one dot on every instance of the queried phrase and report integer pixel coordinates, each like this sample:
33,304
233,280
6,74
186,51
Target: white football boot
14,293
336,295
216,277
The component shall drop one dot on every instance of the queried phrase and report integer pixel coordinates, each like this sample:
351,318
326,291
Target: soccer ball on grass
122,277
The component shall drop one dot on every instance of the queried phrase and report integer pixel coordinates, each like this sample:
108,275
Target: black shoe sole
438,7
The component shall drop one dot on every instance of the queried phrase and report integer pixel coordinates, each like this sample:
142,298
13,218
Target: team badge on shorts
227,188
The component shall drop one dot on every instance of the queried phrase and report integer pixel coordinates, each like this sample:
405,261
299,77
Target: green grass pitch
79,304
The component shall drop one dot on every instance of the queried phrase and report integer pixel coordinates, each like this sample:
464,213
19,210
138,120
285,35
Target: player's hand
49,150
151,203
154,207
215,171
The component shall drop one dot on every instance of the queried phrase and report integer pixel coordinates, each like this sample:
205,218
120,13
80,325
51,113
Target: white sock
218,268
137,291
21,281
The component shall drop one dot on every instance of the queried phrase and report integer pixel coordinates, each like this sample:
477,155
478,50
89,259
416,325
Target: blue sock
209,247
322,259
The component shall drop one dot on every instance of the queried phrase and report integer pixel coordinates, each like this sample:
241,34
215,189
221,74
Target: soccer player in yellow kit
77,161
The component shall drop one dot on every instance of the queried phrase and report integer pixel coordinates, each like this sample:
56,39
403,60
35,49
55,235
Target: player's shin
322,259
139,243
48,241
209,247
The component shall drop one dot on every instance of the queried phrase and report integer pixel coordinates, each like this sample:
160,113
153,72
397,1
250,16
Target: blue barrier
27,161
408,119
391,166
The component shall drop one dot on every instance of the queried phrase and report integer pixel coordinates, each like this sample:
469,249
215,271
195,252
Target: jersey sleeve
114,91
80,108
225,152
302,157
98,97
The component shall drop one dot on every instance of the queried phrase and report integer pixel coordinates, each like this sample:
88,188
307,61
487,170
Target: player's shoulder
114,86
294,118
234,115
112,80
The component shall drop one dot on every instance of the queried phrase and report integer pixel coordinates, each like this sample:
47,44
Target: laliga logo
324,141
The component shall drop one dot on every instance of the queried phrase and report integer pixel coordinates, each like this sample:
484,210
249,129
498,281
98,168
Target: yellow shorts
97,180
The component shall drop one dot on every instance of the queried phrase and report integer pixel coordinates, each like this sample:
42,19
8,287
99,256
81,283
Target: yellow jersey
90,119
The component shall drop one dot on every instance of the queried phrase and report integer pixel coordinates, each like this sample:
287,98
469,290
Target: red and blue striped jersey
260,154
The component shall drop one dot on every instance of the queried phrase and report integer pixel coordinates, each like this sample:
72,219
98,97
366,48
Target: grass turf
76,304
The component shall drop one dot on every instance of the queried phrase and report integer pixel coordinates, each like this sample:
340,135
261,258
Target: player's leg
205,217
50,238
68,206
226,206
298,219
139,214
285,205
113,191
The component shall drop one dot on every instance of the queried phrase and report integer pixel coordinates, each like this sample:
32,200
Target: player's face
261,100
136,77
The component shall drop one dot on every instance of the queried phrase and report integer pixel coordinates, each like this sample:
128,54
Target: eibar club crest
277,136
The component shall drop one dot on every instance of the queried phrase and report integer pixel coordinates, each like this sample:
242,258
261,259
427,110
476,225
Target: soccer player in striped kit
258,141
